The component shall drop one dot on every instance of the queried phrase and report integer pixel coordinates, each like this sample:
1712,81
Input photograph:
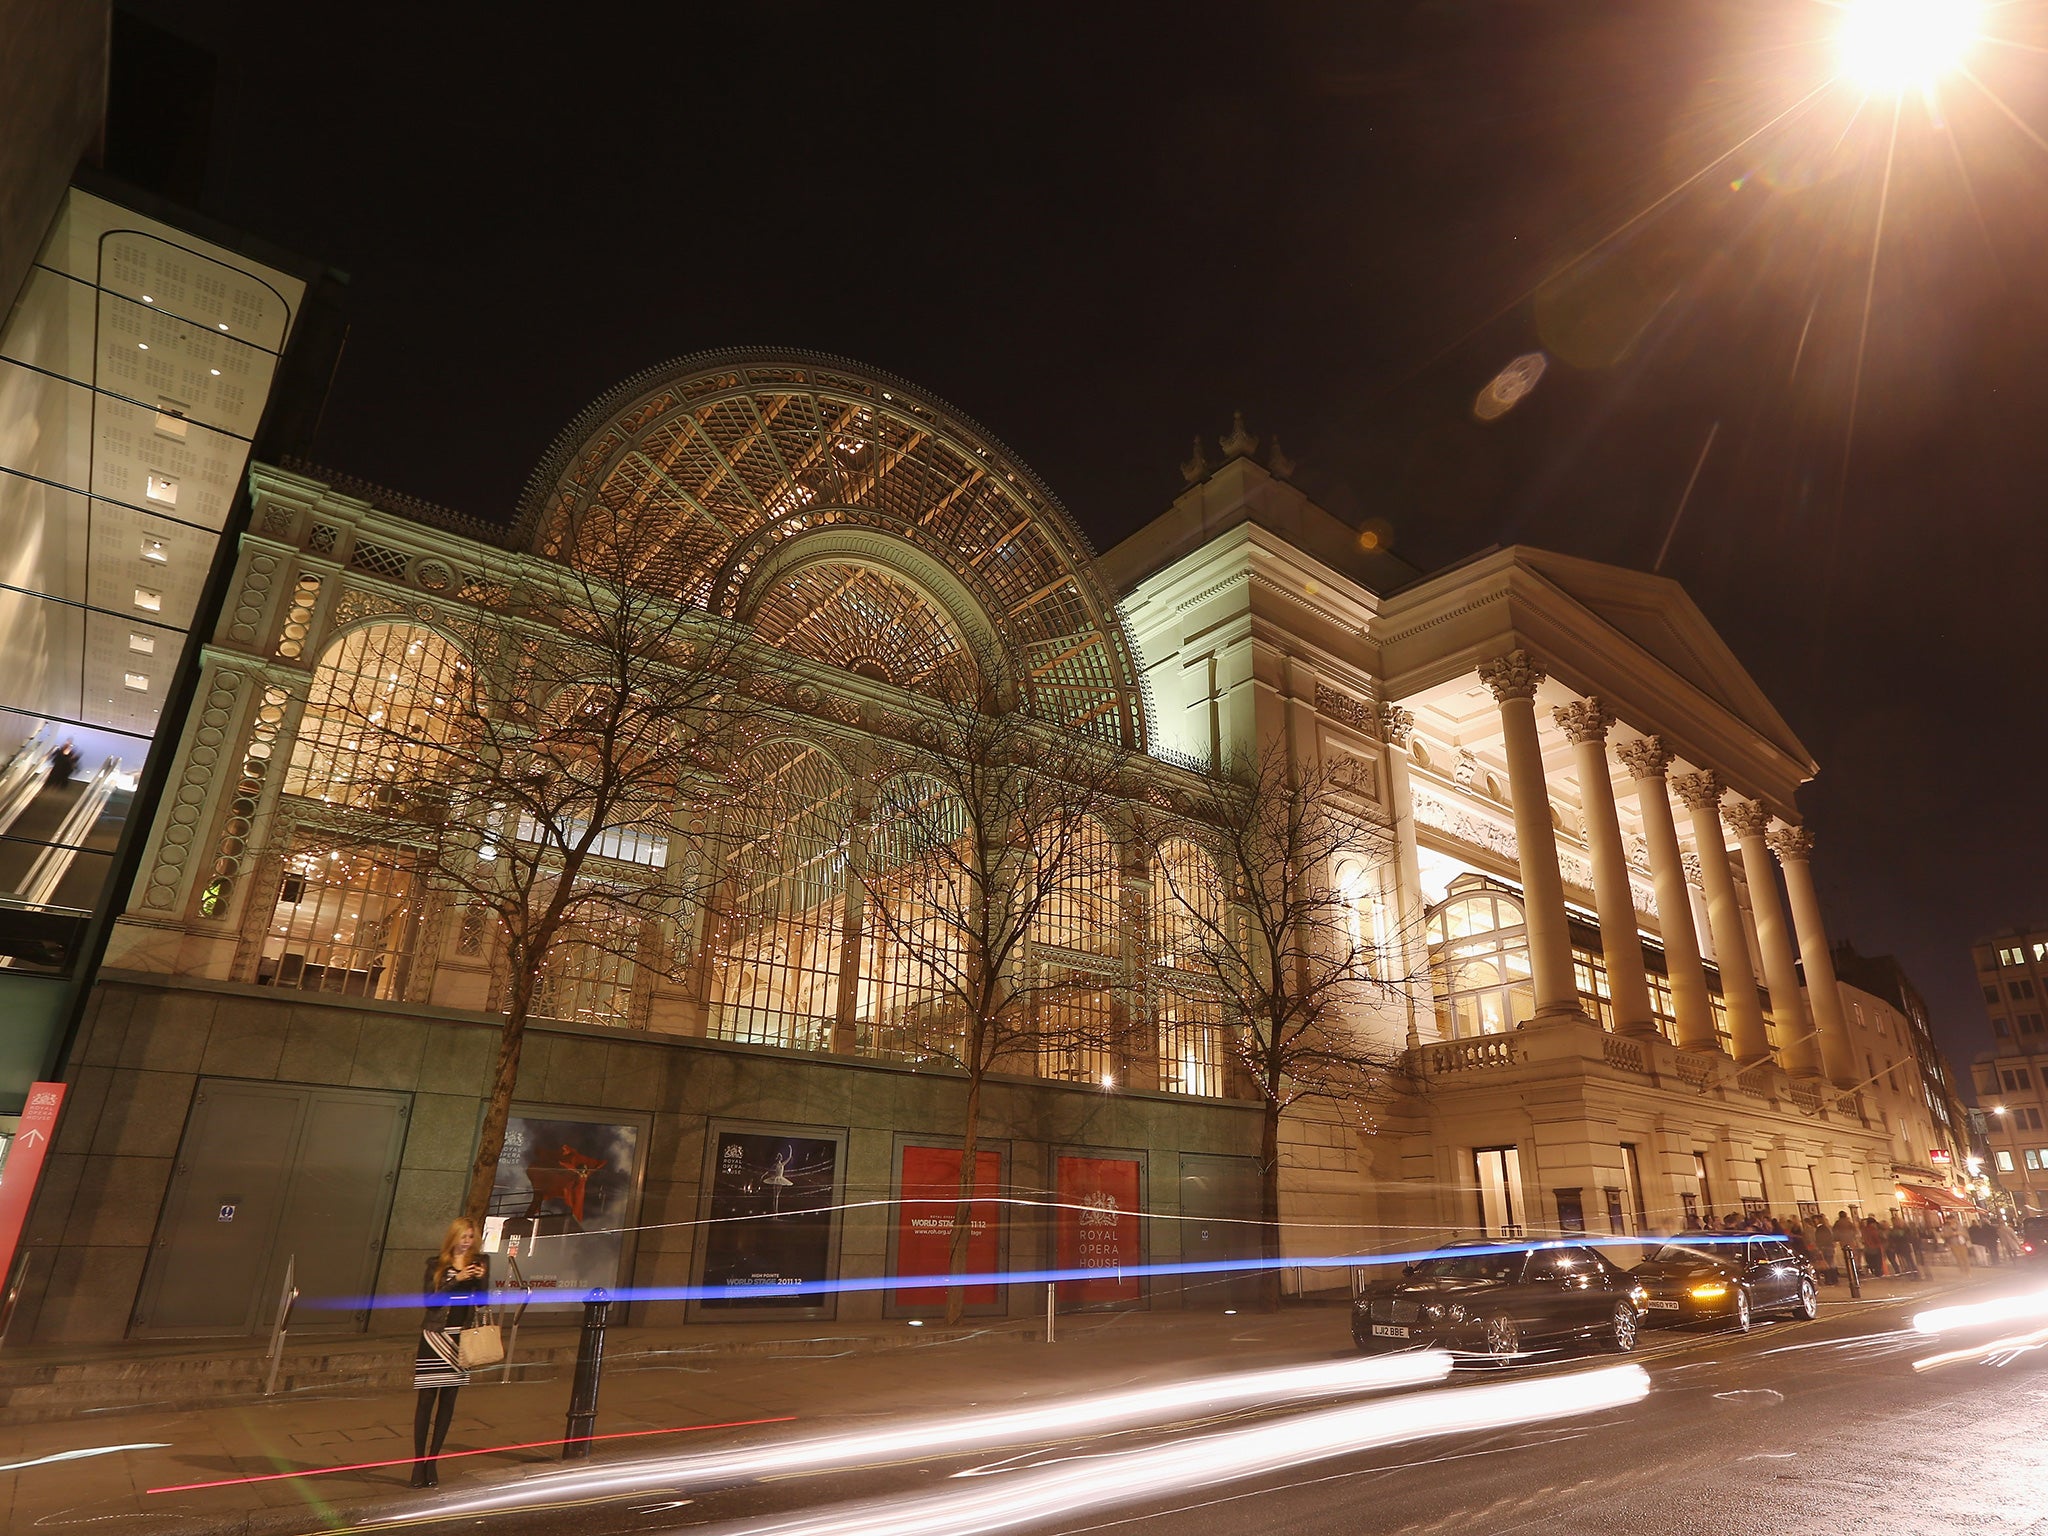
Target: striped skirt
434,1365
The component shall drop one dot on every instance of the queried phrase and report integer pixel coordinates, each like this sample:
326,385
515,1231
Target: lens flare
1892,46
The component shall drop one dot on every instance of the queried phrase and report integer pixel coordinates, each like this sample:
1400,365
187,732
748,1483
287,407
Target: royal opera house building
1622,1012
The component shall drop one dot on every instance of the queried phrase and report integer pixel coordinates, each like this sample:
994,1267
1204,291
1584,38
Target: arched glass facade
1479,960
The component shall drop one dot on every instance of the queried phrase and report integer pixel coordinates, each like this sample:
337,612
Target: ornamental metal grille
381,706
758,464
379,560
779,919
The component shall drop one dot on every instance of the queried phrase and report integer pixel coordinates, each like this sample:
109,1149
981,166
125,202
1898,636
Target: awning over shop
1934,1197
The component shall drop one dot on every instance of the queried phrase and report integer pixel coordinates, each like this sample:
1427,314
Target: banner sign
563,1200
1099,1200
771,1215
24,1166
929,1195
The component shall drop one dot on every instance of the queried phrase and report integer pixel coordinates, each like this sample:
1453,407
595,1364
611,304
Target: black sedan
1731,1280
1497,1299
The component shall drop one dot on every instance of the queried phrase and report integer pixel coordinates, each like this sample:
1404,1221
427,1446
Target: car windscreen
1469,1266
1702,1253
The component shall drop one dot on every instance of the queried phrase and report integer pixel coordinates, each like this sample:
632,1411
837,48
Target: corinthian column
1513,679
1796,1039
1794,848
1702,794
1587,725
1647,763
1397,728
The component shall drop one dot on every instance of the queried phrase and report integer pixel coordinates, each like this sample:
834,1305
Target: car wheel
1503,1339
1742,1317
1808,1305
1621,1332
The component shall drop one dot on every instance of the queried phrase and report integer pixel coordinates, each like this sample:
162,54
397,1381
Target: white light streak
1040,1497
2026,1305
1060,1419
81,1455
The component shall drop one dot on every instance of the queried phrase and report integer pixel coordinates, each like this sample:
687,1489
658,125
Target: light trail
1060,1419
81,1455
406,1461
936,1282
2006,1309
1044,1496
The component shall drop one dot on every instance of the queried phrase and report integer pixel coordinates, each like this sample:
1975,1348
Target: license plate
1666,1306
1388,1331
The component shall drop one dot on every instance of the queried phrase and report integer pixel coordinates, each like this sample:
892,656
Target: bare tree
991,875
552,787
1291,944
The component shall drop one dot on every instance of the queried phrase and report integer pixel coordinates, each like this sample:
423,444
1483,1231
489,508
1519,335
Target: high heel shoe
422,1474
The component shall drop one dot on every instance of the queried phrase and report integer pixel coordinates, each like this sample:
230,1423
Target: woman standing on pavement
1873,1247
456,1278
1822,1237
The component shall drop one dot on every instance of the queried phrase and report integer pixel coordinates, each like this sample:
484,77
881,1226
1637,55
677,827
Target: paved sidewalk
815,1375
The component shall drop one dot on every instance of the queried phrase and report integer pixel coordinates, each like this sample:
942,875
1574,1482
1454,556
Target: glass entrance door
1498,1171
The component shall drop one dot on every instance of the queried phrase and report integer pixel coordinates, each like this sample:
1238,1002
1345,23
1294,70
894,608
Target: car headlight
1713,1290
1638,1295
1454,1313
1431,1313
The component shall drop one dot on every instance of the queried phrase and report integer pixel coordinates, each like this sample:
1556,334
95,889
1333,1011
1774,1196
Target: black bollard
1849,1263
589,1370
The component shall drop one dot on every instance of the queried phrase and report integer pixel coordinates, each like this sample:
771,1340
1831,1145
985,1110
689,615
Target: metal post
512,1331
589,1370
1849,1263
285,1298
1051,1327
17,1277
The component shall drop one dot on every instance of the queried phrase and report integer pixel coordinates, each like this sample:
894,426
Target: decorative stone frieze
185,806
1397,725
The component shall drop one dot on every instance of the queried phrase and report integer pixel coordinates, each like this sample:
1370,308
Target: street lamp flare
1892,46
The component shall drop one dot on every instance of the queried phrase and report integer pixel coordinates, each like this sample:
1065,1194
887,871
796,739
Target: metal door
1219,1207
269,1172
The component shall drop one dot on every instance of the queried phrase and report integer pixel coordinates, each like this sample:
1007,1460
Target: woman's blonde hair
456,1229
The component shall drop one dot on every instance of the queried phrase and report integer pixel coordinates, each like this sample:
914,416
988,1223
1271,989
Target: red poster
25,1165
1098,1227
924,1223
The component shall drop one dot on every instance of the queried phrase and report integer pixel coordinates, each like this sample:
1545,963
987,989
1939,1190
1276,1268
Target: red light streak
489,1450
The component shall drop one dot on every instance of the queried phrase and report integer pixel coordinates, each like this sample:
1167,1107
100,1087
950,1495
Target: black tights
438,1405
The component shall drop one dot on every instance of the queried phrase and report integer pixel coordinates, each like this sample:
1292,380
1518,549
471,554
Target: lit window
153,550
2004,1161
136,680
170,419
148,601
2033,1157
142,645
161,487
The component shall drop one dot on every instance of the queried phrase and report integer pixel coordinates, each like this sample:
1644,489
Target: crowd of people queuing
1899,1248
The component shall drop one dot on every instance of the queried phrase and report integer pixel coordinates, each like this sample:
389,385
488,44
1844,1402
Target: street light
1892,46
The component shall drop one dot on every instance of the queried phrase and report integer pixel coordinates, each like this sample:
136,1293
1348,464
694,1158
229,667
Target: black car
1732,1280
1497,1299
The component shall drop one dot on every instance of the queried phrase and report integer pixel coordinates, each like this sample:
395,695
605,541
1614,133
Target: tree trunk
1269,1204
483,1173
963,1208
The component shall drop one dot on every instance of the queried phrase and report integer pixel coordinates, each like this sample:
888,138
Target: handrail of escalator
22,779
51,865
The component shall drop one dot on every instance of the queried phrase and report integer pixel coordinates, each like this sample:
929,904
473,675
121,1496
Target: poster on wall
564,1201
771,1216
928,1193
1099,1204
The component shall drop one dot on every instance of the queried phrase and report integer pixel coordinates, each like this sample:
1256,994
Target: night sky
1100,229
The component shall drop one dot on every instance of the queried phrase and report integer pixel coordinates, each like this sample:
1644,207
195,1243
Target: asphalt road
1798,1427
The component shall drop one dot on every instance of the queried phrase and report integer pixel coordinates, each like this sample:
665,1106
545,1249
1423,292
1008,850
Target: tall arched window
1187,995
1075,941
1479,959
913,954
382,713
778,922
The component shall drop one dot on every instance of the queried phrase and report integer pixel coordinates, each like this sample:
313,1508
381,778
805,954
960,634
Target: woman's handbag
479,1344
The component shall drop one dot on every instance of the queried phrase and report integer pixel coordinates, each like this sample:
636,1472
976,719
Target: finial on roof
1278,462
1198,466
1240,444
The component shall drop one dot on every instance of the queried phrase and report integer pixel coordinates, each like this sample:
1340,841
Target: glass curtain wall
1074,941
1187,1001
913,972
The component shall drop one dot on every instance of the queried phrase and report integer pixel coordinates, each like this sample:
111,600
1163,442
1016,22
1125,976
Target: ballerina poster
771,1212
565,1189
